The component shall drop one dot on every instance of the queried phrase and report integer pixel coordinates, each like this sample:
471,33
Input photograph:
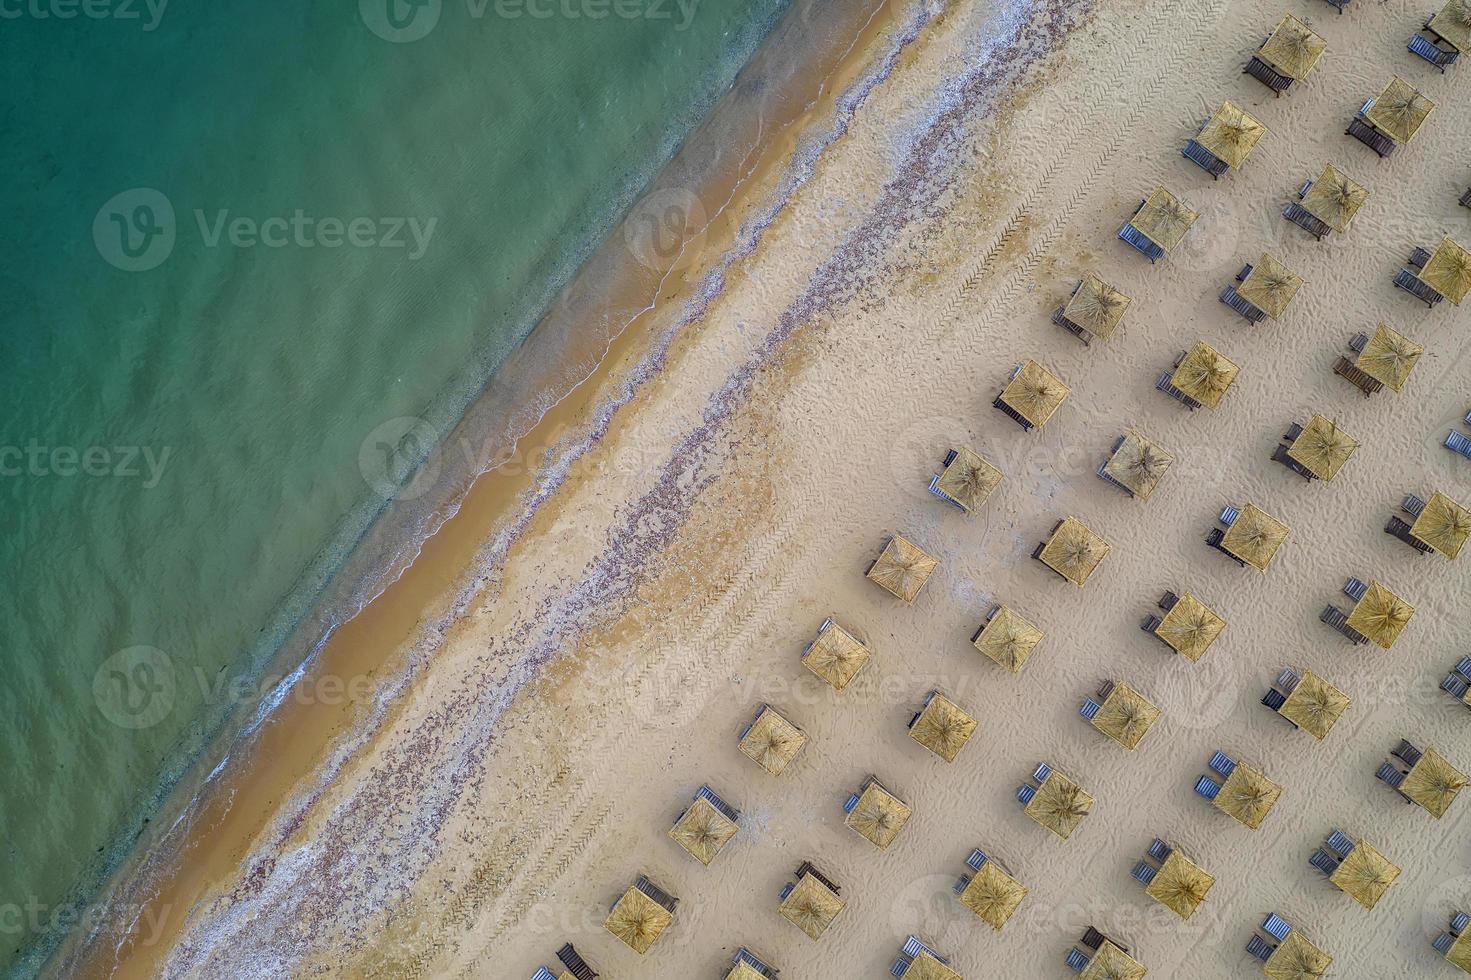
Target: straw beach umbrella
1323,447
1164,219
1334,198
1453,23
1247,795
926,967
942,727
1074,551
1112,963
703,831
1255,537
1433,782
1297,959
1381,615
745,971
1205,374
811,906
1190,627
773,741
1059,805
1460,952
1449,271
638,920
1008,639
1270,286
1399,110
1035,393
1096,306
1139,464
993,894
969,479
1388,357
1293,48
1365,874
903,568
879,816
1180,885
836,656
1314,705
1125,716
1230,133
1443,524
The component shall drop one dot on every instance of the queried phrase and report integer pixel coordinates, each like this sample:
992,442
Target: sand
733,502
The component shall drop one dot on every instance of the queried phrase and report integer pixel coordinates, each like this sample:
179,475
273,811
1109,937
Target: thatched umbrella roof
836,656
1389,356
1270,285
1035,393
878,816
1453,22
1460,952
1247,795
745,971
1059,805
1323,447
1449,271
1399,110
773,741
1164,219
903,568
638,920
1255,537
969,479
1443,524
1126,716
1190,627
1230,133
926,967
1112,963
1293,48
1334,198
1314,705
703,831
1365,874
1009,639
993,894
1433,782
1074,551
1096,306
1180,885
1381,615
1297,959
942,727
1205,374
1139,463
811,906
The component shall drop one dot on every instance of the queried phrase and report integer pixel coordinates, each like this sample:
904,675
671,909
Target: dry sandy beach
734,498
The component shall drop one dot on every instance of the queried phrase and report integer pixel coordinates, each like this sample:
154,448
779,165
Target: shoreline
391,636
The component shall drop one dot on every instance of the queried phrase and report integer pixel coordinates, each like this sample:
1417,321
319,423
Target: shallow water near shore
260,262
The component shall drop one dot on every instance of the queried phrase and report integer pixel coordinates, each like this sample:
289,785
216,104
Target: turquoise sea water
242,243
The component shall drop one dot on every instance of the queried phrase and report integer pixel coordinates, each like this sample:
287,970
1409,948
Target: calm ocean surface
242,243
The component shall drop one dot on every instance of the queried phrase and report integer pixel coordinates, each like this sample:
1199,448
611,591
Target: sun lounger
1443,943
1355,589
1267,75
1276,926
1401,529
935,483
1214,540
1094,939
1042,771
1390,775
1455,686
1164,385
1144,873
744,955
1260,948
1151,623
912,948
1459,922
542,973
851,803
1077,960
1466,198
1306,220
1207,787
1406,753
1159,850
1433,48
1274,699
1230,512
1279,455
1222,763
1090,709
1458,443
1323,861
976,860
1240,304
706,793
1012,413
1338,619
575,964
1365,132
1340,843
1205,159
1025,792
1463,667
1417,287
1140,241
1288,680
1340,4
1346,369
